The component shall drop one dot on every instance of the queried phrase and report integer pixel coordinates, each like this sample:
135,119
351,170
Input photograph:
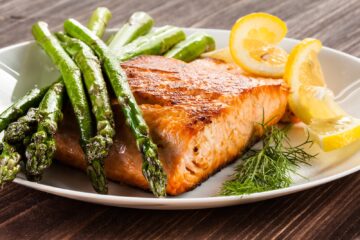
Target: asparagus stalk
18,130
99,20
71,76
152,168
9,163
98,147
21,106
41,149
155,43
140,23
192,47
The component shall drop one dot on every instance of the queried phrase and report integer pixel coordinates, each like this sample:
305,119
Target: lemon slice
309,98
335,133
253,44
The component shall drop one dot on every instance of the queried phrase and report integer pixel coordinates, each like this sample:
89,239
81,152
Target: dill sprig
268,168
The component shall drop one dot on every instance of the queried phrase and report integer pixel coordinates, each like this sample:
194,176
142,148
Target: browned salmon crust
202,115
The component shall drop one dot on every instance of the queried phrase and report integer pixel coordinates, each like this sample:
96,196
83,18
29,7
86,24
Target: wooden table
331,211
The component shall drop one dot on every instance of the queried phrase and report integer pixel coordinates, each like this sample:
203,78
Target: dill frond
268,168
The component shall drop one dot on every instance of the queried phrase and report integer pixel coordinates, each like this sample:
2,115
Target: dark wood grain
331,211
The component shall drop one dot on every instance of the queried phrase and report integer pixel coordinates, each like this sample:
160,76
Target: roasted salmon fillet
202,115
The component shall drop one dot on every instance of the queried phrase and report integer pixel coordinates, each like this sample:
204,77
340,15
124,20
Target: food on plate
270,167
225,55
201,116
41,146
335,133
309,98
17,131
192,47
97,147
151,168
253,44
221,54
146,110
9,159
72,78
311,101
140,23
15,140
99,20
156,42
31,99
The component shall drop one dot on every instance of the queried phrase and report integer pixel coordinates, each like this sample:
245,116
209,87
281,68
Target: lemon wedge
253,44
335,133
310,100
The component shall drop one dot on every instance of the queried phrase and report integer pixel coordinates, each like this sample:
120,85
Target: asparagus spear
99,20
98,147
18,130
20,107
41,149
71,76
155,43
140,23
152,168
9,163
192,47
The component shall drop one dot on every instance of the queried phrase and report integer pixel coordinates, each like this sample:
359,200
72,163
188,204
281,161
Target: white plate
24,65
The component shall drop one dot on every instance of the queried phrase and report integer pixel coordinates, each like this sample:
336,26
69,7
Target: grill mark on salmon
202,115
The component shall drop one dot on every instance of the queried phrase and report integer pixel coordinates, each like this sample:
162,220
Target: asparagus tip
9,163
153,171
97,149
97,177
18,130
39,153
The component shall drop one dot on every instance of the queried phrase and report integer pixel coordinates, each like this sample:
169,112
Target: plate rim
176,202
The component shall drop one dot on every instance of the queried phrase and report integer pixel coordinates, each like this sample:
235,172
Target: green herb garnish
268,168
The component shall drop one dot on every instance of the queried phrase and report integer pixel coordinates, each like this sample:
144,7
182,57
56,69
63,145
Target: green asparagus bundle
152,168
97,23
99,20
42,147
192,47
98,147
140,23
157,42
21,106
